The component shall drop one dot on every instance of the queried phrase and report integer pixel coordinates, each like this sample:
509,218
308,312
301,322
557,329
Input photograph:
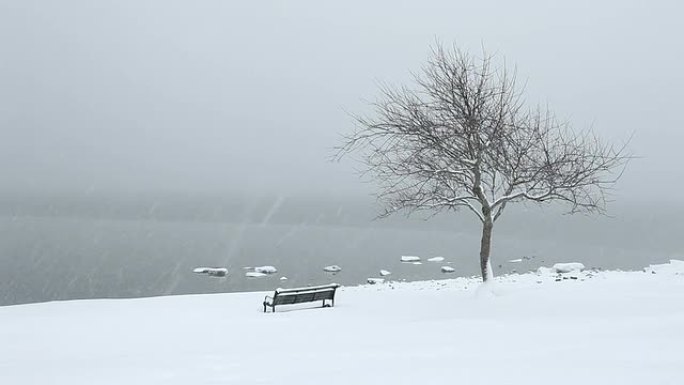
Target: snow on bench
301,295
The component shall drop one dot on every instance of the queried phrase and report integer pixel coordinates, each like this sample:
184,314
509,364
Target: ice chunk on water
384,273
436,259
212,271
265,269
253,274
448,269
332,269
410,258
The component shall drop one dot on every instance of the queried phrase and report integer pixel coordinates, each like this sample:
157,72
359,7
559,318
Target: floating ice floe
332,269
416,263
384,273
410,258
436,259
515,260
375,281
448,269
212,271
265,269
570,267
283,278
254,274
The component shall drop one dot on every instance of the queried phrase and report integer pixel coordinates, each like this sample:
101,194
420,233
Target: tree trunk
485,247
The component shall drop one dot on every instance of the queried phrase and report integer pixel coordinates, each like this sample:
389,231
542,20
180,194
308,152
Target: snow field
604,327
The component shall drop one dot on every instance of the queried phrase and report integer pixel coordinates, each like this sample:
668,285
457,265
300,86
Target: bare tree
464,138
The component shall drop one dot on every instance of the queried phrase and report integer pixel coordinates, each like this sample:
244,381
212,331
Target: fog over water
139,139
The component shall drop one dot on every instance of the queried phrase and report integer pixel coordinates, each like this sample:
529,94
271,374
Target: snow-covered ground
600,328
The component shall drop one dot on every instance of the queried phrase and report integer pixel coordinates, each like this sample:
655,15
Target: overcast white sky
222,95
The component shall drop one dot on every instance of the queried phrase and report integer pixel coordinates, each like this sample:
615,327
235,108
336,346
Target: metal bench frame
302,295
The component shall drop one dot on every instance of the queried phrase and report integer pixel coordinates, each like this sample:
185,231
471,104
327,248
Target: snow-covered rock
570,267
384,273
254,274
212,271
375,281
265,269
332,269
448,269
410,258
675,267
436,259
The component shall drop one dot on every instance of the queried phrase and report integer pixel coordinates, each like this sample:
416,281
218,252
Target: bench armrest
268,300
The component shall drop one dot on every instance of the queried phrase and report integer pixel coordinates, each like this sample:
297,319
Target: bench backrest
305,294
310,288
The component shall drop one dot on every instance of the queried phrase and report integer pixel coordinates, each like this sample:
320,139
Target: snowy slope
610,328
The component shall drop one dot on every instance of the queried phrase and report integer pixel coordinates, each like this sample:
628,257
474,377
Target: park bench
301,295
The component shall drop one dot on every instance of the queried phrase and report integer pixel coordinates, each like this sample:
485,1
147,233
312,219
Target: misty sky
209,96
